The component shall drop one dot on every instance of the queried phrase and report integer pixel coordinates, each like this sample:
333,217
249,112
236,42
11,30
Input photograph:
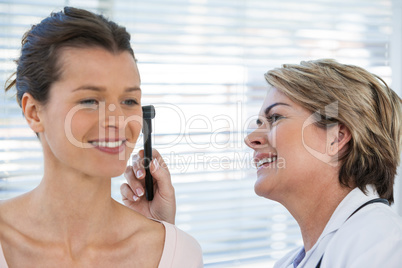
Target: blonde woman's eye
274,118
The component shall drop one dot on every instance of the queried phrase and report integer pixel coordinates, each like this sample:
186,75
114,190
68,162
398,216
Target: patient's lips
111,146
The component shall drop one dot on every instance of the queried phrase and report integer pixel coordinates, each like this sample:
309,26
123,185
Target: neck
313,214
72,205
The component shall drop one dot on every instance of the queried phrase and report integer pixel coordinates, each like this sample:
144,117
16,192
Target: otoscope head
148,112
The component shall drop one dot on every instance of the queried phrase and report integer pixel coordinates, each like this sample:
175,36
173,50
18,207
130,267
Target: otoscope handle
148,113
149,185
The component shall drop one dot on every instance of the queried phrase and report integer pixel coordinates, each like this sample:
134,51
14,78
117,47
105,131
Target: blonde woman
78,84
338,129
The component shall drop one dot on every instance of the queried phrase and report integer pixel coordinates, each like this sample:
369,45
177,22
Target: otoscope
148,113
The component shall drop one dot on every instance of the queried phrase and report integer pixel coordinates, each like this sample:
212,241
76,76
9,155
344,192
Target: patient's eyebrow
89,87
131,89
101,89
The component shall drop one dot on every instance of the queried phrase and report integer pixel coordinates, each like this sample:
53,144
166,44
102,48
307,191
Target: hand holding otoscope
148,113
160,202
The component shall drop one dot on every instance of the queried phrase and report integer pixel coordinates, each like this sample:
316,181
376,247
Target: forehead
96,63
91,55
95,68
273,96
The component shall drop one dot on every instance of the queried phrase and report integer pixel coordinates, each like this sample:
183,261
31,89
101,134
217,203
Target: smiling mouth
107,144
266,160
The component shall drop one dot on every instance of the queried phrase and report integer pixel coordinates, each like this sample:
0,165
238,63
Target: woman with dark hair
327,147
79,89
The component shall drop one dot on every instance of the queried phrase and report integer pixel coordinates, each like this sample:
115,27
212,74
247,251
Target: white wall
396,64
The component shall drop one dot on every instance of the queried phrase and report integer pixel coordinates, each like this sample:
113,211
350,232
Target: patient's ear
339,138
30,108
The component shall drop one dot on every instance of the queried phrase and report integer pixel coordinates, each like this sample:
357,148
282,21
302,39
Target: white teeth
266,160
110,144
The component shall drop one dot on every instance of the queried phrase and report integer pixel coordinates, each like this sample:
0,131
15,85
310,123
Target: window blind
202,64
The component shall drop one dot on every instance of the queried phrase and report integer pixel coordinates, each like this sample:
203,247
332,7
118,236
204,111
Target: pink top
180,250
3,263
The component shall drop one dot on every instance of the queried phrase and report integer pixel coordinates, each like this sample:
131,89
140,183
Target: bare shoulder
15,220
3,208
8,208
10,217
143,237
138,225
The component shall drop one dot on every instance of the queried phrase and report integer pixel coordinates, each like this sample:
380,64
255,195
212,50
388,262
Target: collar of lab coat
347,206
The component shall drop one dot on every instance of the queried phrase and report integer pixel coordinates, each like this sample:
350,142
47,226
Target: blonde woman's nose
257,138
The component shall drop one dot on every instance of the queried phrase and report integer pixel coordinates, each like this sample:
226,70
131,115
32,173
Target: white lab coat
370,238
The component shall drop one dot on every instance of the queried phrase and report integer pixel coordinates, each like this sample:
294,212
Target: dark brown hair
38,68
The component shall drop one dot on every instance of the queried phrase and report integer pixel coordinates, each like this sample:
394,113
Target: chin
259,188
111,171
263,187
110,174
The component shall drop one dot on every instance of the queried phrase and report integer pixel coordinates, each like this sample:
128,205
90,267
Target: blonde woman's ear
30,108
340,139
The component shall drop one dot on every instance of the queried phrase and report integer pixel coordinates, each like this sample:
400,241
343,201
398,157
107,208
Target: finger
157,155
126,192
161,174
136,186
138,165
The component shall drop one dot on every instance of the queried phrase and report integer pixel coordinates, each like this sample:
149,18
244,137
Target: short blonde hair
365,105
